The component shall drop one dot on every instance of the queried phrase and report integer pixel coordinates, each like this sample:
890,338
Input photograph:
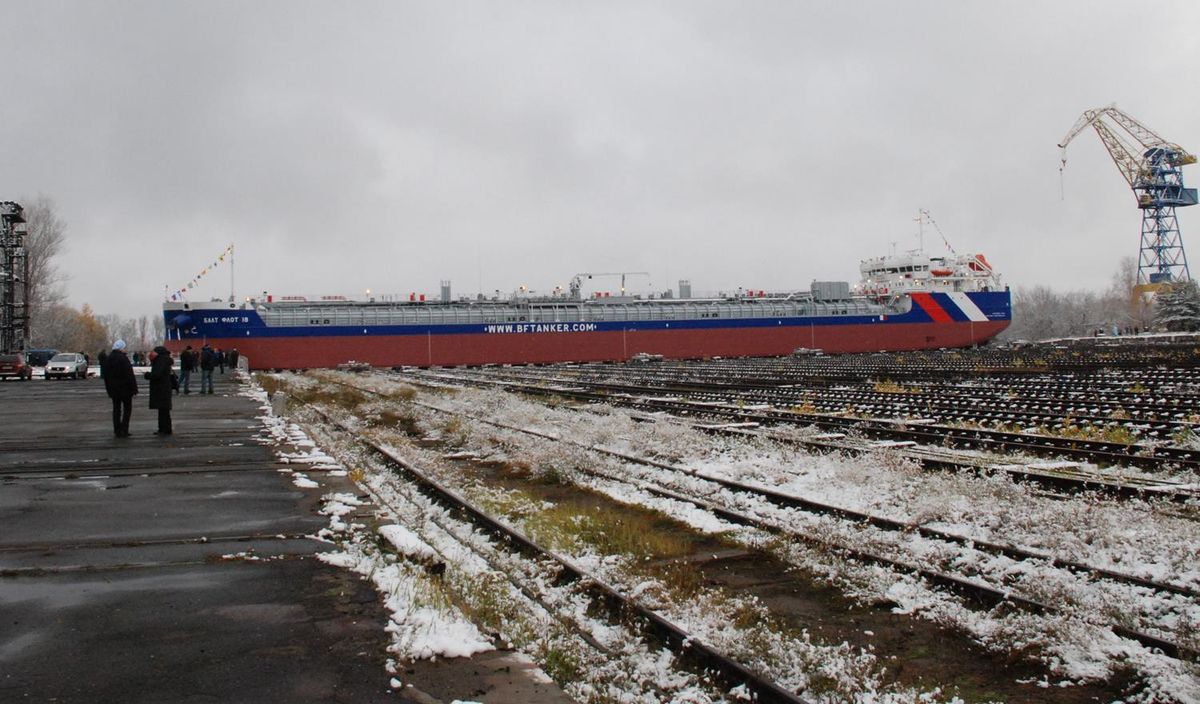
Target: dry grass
340,396
269,383
621,531
405,393
887,386
400,419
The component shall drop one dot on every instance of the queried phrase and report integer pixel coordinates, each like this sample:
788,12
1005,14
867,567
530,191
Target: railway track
1148,404
707,662
1138,356
969,586
1063,477
920,431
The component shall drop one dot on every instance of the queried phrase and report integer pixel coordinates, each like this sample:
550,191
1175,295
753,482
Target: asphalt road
123,562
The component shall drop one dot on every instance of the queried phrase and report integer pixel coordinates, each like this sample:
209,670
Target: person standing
208,362
220,359
121,385
101,358
233,359
160,387
186,364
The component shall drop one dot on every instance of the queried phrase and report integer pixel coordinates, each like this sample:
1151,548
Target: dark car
67,365
14,365
38,358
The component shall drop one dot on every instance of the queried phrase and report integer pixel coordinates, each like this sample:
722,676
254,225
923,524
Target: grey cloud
389,145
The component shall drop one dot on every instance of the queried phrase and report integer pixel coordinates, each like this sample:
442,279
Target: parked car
39,358
67,365
14,365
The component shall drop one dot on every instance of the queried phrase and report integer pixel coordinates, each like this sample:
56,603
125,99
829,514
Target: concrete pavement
171,569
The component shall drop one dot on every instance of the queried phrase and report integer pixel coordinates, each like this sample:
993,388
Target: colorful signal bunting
180,294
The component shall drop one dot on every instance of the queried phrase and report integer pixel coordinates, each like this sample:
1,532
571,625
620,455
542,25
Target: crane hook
1062,192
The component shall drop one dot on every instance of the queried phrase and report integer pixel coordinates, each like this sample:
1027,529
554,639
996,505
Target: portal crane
1154,172
577,280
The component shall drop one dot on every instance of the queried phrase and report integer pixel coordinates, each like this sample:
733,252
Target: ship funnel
445,292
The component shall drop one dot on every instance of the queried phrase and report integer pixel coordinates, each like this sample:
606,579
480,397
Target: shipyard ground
154,569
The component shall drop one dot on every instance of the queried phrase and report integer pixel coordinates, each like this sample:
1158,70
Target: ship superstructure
920,271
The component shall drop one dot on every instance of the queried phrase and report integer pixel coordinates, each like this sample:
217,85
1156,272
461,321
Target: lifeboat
980,263
941,272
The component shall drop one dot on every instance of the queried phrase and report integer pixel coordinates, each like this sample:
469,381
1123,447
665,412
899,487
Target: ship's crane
577,280
1153,170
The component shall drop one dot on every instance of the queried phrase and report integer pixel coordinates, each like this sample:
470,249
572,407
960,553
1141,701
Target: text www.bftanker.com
541,327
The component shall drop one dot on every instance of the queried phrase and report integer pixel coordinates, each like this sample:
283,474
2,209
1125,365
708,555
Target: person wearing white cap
121,385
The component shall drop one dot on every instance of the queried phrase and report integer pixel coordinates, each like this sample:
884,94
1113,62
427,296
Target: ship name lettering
226,319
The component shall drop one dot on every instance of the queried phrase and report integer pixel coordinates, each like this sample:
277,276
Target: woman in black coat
160,387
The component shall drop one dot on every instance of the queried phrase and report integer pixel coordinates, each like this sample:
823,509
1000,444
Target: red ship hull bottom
539,348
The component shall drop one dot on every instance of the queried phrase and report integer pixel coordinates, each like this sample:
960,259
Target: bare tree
1041,313
57,326
44,239
144,332
1119,308
1125,277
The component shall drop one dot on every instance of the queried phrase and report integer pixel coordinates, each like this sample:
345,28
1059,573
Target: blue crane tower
1154,171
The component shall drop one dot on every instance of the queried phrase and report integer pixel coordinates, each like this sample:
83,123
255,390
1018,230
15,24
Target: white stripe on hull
968,307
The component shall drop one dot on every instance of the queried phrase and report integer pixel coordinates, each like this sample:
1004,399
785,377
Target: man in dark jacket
121,385
187,362
160,387
208,362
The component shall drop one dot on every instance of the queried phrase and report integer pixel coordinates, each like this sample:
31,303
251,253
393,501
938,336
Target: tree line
1041,313
55,324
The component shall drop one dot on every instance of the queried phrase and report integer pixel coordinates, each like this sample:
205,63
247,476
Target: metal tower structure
14,279
1154,171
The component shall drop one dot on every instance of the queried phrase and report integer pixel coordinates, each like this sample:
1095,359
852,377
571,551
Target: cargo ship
908,301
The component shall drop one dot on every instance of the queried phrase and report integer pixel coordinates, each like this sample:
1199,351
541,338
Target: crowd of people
143,359
120,381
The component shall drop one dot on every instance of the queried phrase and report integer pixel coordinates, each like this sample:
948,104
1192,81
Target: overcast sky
346,146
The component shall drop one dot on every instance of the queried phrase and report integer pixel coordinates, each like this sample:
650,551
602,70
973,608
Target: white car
67,364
